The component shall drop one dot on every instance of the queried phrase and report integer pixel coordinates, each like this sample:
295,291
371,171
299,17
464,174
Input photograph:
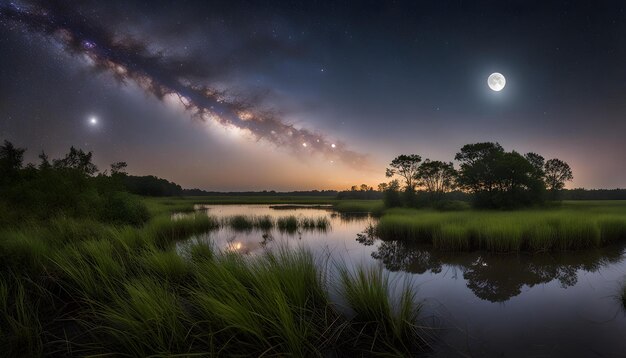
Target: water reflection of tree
497,278
398,256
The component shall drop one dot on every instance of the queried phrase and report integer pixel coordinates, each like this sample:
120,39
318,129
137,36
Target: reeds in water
289,224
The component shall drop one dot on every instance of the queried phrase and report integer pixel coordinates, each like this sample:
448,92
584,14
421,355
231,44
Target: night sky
295,95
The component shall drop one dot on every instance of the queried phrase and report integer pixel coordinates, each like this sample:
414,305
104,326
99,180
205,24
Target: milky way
130,60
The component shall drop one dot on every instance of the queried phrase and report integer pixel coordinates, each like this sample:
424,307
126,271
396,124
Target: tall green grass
360,206
564,228
20,326
393,325
123,291
162,230
276,304
143,317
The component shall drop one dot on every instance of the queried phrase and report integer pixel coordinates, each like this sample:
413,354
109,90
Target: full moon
496,81
93,121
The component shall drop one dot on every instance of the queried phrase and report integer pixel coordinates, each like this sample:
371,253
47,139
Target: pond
513,305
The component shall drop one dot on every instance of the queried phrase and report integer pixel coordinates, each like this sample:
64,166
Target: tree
78,160
557,172
497,178
537,161
477,165
382,187
406,167
391,195
472,153
11,162
118,168
512,172
11,158
436,176
45,161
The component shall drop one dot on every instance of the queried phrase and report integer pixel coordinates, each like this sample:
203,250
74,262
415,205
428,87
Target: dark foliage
391,195
361,192
494,177
593,194
66,187
150,185
500,179
405,167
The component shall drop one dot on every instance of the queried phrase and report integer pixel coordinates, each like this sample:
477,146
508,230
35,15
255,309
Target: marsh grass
164,265
391,325
571,227
307,223
322,223
452,237
265,222
162,230
375,207
87,275
276,303
124,291
240,222
289,224
20,327
143,317
23,251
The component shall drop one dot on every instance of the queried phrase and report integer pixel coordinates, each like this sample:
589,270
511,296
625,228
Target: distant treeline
200,192
593,194
150,185
565,194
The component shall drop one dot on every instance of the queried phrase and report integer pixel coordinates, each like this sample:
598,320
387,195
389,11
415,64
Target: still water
484,305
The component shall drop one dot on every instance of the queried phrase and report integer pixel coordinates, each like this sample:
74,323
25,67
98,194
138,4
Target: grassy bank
571,226
375,207
81,287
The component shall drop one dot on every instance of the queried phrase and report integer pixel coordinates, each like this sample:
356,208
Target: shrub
124,208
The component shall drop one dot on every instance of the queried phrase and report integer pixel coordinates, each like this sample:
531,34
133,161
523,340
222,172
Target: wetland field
315,277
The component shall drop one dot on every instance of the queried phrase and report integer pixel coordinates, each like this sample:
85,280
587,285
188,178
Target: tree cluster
361,192
494,177
70,186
